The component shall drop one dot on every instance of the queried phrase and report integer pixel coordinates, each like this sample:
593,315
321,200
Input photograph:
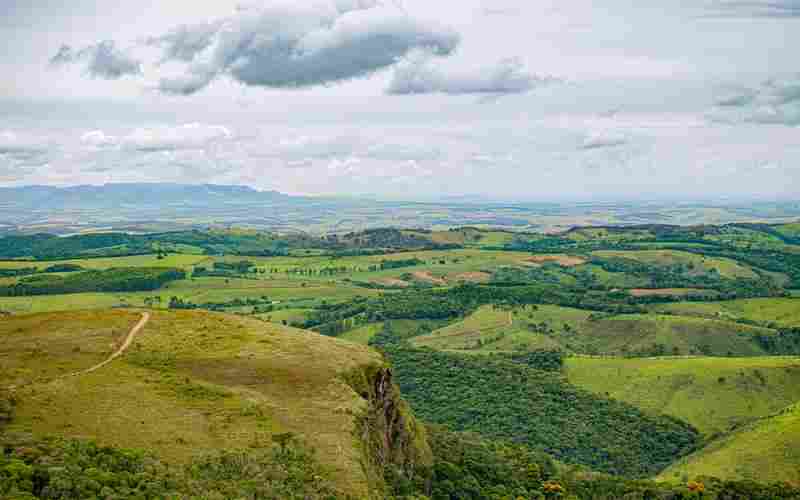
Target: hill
519,401
491,329
764,451
776,312
194,383
715,395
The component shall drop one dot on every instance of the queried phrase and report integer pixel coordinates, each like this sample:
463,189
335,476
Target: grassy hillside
364,334
726,268
492,329
197,382
765,451
713,394
505,400
783,312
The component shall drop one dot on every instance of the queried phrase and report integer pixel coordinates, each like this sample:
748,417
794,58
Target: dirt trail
119,352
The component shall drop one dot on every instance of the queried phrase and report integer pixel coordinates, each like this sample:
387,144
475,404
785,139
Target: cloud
600,140
102,60
283,45
775,101
160,139
185,42
189,136
22,151
420,75
755,8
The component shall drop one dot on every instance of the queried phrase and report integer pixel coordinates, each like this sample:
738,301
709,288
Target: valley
610,361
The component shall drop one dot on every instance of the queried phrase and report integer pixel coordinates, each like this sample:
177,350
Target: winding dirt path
119,352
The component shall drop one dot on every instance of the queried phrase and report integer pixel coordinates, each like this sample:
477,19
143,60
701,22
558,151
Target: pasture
715,395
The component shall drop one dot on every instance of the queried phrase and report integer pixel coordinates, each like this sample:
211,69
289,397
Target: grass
172,260
764,451
713,394
783,312
290,316
363,334
488,329
791,230
727,268
193,382
575,330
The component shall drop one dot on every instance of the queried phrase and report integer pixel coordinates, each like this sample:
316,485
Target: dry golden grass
473,277
192,382
428,277
560,259
395,282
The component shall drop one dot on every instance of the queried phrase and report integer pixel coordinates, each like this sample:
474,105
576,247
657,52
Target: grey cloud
755,8
296,46
185,42
102,60
776,101
420,75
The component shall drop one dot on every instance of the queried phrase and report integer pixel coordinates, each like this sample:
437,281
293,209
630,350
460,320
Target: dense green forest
536,407
132,279
51,247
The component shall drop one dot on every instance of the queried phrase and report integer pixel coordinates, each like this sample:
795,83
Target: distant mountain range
144,207
133,194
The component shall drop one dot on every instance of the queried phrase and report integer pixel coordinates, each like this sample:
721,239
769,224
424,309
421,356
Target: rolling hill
491,329
193,383
715,395
765,451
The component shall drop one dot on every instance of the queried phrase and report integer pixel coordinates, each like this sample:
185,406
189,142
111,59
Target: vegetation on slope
503,399
765,450
76,469
194,383
129,279
715,395
493,328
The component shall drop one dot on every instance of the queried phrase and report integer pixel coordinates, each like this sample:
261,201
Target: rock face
394,443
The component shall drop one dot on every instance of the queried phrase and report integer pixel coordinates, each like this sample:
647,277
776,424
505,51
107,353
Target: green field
491,329
183,261
363,334
713,394
727,268
783,312
764,451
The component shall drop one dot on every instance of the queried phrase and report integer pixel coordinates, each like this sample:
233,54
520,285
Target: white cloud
165,138
419,74
598,140
23,150
160,138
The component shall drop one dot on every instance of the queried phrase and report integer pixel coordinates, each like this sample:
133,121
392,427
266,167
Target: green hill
765,451
715,395
781,312
194,383
491,329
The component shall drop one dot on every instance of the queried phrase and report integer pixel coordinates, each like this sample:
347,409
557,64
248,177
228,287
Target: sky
408,99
